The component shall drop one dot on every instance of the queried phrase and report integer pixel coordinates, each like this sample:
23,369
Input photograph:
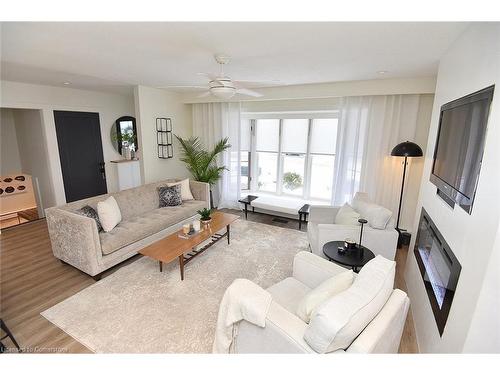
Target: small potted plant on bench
205,216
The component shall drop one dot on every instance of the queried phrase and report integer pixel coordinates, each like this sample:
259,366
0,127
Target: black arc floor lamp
407,150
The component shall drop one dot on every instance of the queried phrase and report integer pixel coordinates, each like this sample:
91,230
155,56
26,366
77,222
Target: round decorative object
124,133
9,189
354,258
8,179
20,178
21,187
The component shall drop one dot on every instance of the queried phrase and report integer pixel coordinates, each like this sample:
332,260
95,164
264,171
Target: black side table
354,258
303,213
246,201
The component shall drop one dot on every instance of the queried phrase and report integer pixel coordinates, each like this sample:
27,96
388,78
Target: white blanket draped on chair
243,300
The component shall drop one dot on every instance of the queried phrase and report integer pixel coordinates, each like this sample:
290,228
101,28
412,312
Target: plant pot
206,222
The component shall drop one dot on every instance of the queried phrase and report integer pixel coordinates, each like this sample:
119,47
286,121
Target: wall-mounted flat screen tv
459,147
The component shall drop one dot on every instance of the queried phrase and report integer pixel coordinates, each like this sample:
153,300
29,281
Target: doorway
25,184
80,151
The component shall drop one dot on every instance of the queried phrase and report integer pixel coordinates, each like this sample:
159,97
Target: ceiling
116,56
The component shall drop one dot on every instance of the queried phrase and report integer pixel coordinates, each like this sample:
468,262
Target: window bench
278,204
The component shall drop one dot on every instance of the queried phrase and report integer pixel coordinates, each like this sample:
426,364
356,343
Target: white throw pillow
377,216
185,189
361,203
327,289
338,321
109,213
347,216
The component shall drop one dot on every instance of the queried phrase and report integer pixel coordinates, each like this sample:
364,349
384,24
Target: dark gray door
80,150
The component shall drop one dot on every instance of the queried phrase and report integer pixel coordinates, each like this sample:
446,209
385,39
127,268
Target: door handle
102,170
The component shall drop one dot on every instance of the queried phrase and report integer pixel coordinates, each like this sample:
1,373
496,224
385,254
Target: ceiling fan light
223,92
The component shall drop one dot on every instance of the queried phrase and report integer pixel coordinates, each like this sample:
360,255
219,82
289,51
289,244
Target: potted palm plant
201,162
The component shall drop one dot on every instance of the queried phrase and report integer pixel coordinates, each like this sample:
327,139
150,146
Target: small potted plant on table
205,216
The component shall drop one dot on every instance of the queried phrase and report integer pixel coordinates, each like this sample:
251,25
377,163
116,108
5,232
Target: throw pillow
109,214
185,189
347,216
324,291
378,217
338,321
360,203
170,195
90,212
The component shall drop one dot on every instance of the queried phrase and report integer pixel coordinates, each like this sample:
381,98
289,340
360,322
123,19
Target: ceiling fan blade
182,87
204,95
216,79
249,92
210,76
244,83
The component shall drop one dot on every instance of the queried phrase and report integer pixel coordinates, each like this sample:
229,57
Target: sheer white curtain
370,126
212,122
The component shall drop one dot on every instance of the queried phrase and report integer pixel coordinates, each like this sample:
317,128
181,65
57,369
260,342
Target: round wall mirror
124,133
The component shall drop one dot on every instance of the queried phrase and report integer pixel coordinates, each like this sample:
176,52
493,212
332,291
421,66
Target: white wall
472,63
484,331
48,99
33,152
151,103
10,163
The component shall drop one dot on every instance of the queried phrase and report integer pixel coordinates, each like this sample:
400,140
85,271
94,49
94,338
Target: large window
292,157
267,140
322,156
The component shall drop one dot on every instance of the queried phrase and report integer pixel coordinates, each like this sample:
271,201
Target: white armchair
321,228
284,331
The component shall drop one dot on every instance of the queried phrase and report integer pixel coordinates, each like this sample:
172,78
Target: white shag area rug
137,309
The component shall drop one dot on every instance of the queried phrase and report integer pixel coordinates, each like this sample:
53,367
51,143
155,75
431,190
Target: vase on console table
126,153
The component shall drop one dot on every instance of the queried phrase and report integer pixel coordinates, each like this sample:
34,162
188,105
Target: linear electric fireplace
439,268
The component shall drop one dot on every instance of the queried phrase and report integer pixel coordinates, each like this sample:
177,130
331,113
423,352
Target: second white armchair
321,228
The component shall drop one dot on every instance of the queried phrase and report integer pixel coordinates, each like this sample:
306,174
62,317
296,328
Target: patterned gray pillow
170,195
90,212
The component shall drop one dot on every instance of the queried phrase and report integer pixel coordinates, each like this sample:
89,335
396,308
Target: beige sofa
76,241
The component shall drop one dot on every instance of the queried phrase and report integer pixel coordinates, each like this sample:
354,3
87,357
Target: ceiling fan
222,86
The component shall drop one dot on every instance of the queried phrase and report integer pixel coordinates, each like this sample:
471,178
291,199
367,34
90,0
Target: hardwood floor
32,280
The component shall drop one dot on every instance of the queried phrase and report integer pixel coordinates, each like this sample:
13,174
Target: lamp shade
408,149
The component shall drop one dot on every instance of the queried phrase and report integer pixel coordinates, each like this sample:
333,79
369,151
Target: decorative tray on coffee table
191,234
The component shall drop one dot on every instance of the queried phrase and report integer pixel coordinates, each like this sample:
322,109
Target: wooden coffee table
174,247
